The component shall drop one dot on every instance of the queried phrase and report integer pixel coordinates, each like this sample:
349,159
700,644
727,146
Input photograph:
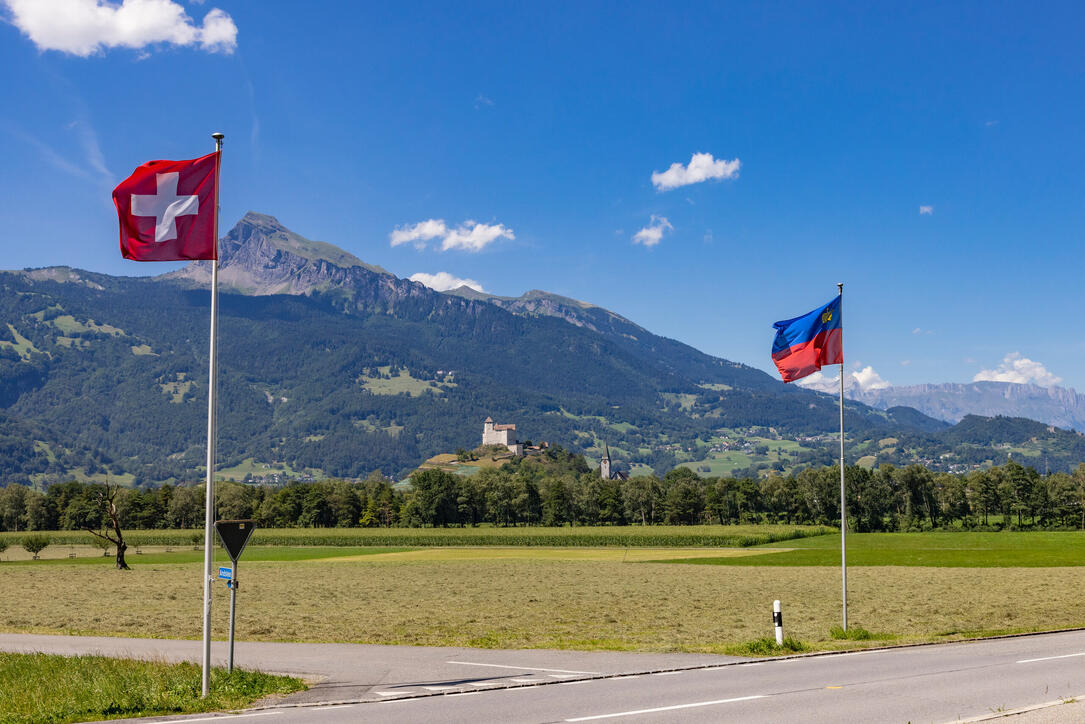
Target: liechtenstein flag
804,344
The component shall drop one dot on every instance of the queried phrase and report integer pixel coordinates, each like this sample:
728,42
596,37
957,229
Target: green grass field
155,555
386,384
943,550
122,688
249,466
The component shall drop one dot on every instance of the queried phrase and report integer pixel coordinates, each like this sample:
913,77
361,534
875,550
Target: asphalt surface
360,672
951,682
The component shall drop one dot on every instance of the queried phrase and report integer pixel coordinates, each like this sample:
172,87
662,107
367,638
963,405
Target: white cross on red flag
167,210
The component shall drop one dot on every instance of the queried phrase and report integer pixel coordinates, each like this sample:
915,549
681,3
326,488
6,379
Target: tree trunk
121,565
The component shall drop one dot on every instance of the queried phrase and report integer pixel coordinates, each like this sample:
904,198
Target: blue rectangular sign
226,573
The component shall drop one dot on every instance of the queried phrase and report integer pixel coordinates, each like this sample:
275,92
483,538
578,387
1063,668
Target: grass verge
766,646
48,688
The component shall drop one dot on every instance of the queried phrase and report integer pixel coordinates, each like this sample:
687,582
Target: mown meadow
642,597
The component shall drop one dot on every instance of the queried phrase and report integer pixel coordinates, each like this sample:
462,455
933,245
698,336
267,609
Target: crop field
698,536
911,588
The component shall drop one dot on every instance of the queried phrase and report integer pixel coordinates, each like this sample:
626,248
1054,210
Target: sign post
234,535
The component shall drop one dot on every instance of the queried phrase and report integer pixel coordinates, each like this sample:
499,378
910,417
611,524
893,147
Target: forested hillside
356,370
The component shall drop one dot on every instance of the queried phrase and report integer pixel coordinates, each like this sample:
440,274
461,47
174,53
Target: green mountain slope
356,370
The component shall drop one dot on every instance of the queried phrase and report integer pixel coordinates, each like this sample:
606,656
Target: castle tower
604,464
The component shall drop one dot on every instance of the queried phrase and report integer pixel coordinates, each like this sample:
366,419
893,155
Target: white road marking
392,693
220,718
528,681
1049,658
478,683
562,676
331,706
520,668
666,708
438,688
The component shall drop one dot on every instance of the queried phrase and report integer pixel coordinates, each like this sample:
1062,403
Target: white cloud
820,382
87,27
1022,370
868,379
473,236
651,235
219,33
861,381
443,281
481,100
702,167
926,210
470,235
419,233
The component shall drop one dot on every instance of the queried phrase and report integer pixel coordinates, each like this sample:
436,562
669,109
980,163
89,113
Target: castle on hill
505,436
501,435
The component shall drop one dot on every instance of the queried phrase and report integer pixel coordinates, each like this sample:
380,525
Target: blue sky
928,155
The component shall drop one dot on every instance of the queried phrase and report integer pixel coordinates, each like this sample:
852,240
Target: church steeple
604,464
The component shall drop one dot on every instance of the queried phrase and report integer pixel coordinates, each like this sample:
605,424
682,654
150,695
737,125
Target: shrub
35,544
768,647
101,543
857,633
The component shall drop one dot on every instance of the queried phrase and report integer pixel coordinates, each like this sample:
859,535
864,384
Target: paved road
358,672
951,682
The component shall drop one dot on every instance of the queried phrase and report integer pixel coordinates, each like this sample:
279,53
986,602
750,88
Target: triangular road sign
234,535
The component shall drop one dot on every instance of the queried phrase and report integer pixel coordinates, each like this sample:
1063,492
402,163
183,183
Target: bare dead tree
110,529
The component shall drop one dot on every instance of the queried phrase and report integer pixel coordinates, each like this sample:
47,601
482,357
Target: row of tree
559,488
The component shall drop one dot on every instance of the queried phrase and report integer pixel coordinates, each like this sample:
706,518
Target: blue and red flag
804,344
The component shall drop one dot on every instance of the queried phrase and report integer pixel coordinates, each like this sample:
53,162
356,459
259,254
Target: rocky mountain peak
261,256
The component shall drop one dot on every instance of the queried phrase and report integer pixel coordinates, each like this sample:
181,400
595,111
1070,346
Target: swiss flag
167,210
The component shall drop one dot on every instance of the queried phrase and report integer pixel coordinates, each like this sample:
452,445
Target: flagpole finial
218,136
840,287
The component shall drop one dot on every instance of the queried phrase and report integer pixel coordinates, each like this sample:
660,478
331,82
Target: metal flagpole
209,505
843,502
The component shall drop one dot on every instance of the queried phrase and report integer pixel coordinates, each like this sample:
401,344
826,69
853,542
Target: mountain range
951,402
331,366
